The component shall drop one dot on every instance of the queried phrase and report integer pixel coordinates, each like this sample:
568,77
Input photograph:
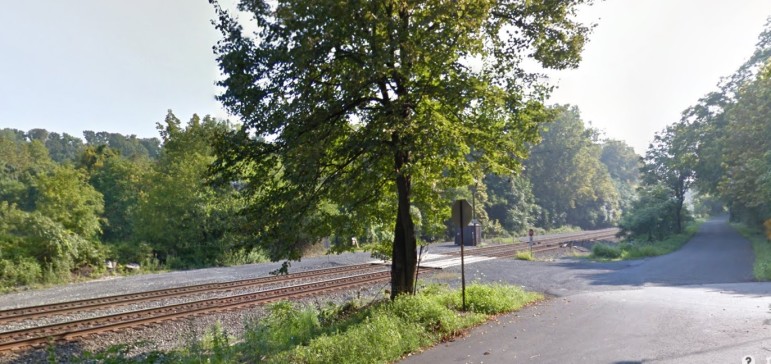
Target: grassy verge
640,249
761,269
381,332
524,255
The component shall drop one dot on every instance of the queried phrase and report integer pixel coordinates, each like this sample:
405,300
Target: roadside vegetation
69,206
715,160
761,245
641,248
524,255
379,332
197,196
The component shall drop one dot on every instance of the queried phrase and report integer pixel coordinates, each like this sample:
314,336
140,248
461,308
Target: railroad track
541,245
325,280
19,339
93,304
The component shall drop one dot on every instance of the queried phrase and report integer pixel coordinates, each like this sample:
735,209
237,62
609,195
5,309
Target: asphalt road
697,305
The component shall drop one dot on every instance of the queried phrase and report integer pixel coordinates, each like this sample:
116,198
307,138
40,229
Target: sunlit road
697,305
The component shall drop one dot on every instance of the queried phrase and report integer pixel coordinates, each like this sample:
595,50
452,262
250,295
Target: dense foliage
64,218
720,151
378,107
569,179
371,131
66,207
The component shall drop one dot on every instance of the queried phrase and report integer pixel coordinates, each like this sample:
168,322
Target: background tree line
68,205
719,152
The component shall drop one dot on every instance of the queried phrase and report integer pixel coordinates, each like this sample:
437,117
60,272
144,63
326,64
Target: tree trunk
679,210
404,260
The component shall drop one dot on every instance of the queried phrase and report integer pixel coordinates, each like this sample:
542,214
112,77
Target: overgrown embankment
637,248
379,332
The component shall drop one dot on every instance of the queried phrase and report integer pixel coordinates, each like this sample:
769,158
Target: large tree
188,222
569,181
377,106
746,182
669,161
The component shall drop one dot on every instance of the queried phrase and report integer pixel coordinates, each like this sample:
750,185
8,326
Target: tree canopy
720,146
569,181
379,106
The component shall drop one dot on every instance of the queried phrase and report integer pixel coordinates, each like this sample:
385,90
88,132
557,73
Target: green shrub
641,249
23,271
284,328
606,251
214,347
524,255
633,251
378,339
131,252
492,299
761,269
242,256
380,250
429,312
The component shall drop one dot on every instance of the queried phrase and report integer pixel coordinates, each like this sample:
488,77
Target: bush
284,328
606,251
131,252
632,251
524,255
242,256
761,269
429,312
378,339
492,299
22,272
641,249
653,215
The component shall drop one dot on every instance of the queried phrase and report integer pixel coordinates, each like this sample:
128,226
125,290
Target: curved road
696,305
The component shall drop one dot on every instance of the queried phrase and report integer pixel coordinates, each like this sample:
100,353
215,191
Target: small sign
461,213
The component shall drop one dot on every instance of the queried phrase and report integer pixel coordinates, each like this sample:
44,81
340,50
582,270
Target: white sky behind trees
117,66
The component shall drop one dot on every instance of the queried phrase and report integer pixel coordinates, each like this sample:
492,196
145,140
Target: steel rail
30,312
76,329
582,236
513,249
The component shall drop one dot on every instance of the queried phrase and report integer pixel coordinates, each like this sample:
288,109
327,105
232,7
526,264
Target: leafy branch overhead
376,106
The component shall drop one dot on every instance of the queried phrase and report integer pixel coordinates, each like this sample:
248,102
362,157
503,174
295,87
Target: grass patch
606,251
635,249
524,255
380,332
761,245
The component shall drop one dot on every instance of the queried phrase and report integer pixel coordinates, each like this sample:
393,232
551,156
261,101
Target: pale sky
118,65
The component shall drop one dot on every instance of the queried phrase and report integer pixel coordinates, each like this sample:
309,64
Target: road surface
697,305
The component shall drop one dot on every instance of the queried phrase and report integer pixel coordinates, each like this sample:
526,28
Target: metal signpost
461,216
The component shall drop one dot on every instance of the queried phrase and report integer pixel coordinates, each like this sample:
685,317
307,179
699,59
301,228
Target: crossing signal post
461,216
